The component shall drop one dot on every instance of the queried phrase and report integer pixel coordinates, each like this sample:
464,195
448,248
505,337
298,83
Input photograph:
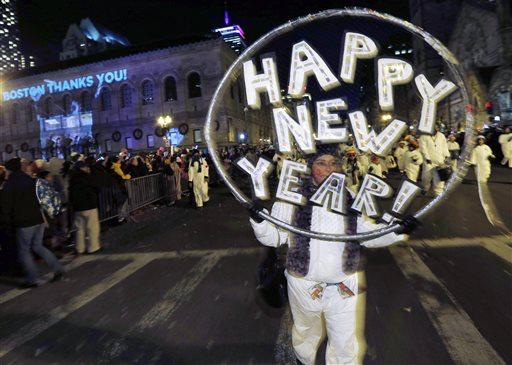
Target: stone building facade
115,102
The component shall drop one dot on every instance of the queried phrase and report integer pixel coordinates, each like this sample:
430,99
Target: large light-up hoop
235,69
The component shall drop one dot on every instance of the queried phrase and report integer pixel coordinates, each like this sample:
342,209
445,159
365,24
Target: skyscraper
10,52
232,34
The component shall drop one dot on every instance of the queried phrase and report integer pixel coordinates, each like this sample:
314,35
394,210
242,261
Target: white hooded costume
412,161
399,155
435,150
505,141
198,175
480,158
316,267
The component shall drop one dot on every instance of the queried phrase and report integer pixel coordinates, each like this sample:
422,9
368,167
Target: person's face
481,141
411,148
86,169
507,130
323,166
451,138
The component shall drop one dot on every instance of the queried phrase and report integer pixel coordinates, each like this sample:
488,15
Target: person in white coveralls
321,275
435,154
480,158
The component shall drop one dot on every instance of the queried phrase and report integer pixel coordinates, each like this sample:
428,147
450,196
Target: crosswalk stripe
498,245
463,341
13,293
36,327
172,299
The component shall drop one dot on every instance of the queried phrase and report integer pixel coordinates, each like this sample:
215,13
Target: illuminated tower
10,52
233,34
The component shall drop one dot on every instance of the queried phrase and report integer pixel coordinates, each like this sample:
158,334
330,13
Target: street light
165,121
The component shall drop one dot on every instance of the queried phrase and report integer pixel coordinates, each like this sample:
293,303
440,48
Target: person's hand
256,207
190,184
428,161
206,178
408,225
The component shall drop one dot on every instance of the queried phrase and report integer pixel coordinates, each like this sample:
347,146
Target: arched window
14,113
66,104
85,101
106,100
170,89
126,96
48,107
194,85
147,92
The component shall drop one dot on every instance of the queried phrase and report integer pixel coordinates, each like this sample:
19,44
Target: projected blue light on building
51,86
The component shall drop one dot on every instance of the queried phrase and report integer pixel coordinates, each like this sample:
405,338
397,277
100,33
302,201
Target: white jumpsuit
325,266
197,178
435,149
412,161
480,158
505,141
399,155
454,150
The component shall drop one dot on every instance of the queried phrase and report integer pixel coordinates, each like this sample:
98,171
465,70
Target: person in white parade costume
321,275
505,141
480,158
435,154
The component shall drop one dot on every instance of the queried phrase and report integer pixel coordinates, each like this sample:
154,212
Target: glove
190,184
408,224
256,207
206,178
428,162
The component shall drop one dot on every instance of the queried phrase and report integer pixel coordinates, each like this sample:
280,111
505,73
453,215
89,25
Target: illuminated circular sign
293,113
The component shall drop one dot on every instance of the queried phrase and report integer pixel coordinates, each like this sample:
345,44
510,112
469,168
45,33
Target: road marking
36,327
172,299
498,245
460,336
13,293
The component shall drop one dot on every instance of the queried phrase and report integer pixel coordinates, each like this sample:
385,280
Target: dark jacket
20,206
83,194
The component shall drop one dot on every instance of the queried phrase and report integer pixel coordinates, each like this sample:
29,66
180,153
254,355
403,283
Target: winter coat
20,207
83,191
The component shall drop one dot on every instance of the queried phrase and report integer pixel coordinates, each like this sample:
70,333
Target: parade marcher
399,153
321,275
364,162
83,197
375,166
412,160
351,168
435,154
480,158
22,211
197,176
505,141
454,150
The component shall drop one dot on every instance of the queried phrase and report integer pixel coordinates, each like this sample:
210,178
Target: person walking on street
505,140
83,197
22,211
197,176
435,154
480,158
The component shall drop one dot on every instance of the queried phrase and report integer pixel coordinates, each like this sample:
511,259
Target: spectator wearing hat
454,150
22,211
83,197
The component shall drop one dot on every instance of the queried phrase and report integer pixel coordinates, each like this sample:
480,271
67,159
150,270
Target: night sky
43,23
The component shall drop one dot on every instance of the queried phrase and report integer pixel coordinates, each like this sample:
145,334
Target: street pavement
178,287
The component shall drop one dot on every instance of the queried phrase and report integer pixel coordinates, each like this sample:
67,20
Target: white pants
429,177
200,192
309,327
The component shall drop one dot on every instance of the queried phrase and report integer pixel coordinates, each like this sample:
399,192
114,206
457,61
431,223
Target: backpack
48,198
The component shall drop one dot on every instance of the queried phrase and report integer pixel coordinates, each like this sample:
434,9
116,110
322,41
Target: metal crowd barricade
141,191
